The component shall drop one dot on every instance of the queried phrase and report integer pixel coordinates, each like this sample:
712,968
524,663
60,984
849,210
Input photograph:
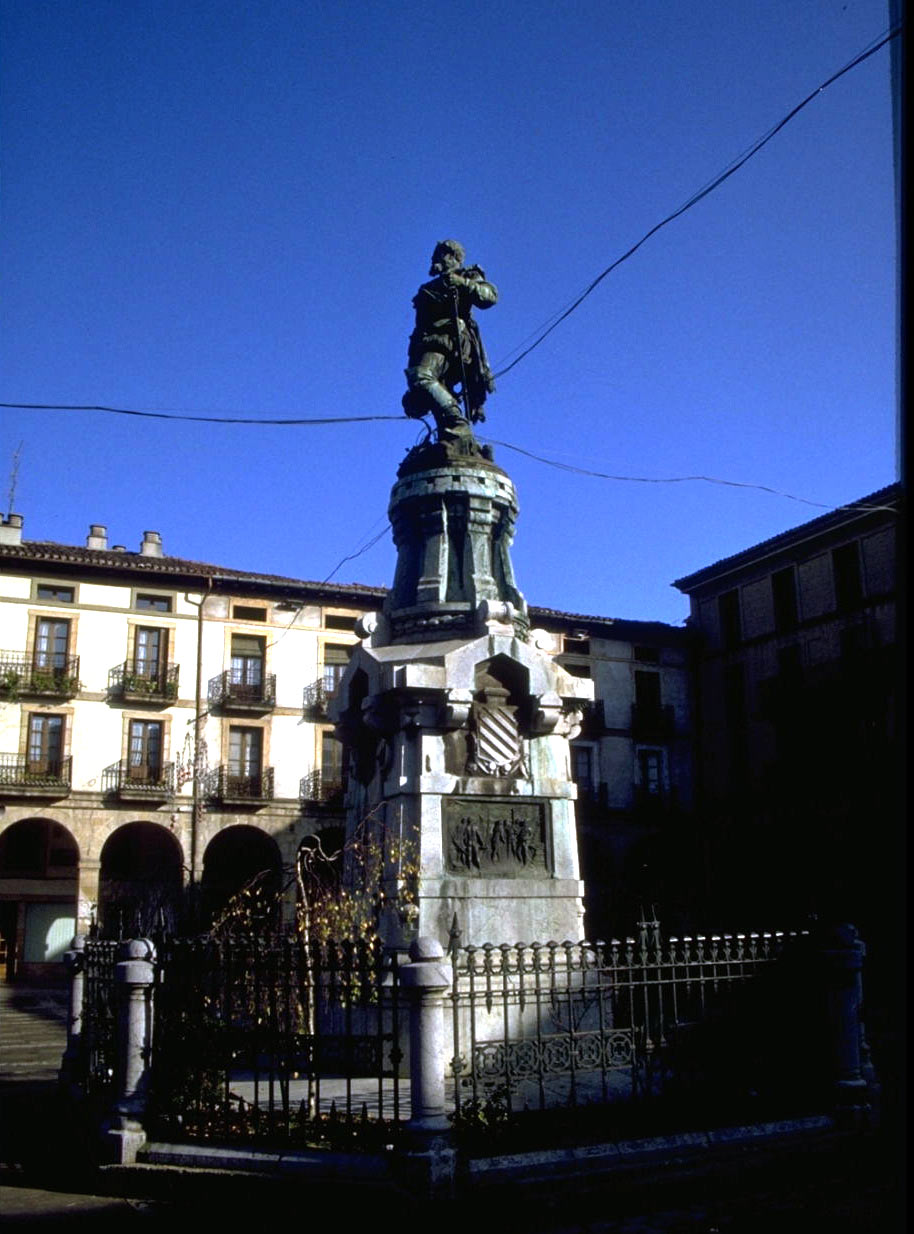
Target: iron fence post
71,1072
134,973
430,1160
843,957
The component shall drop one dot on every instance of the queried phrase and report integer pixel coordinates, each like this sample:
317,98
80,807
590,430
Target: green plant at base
483,1119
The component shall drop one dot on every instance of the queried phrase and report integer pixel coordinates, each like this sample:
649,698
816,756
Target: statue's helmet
447,248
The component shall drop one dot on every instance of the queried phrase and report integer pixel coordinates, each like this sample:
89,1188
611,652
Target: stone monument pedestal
457,724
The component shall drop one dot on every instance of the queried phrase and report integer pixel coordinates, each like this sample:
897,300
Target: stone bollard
71,1075
429,1162
123,1133
843,959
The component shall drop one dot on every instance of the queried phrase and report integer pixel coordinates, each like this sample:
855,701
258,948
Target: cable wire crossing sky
216,213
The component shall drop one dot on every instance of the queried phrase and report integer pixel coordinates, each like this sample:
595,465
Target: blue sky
225,207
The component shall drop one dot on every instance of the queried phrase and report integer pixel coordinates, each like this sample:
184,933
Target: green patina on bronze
448,375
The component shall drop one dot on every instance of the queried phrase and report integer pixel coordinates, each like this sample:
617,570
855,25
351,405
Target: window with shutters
336,658
247,660
44,750
144,757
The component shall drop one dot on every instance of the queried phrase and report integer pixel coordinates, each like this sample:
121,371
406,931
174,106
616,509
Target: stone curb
631,1152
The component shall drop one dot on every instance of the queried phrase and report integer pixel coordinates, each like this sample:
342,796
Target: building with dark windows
797,689
633,765
165,736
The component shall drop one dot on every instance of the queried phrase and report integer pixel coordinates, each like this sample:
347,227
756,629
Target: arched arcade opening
140,882
39,863
242,879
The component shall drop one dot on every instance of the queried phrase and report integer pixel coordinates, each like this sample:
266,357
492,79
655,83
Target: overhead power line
583,471
602,475
696,197
170,415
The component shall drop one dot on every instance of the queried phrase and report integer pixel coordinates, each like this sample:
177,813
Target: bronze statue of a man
445,348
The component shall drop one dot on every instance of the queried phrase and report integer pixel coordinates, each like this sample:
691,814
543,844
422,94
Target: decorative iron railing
319,788
271,1039
316,698
224,784
97,1040
139,780
50,674
135,682
294,1039
18,771
570,1024
232,690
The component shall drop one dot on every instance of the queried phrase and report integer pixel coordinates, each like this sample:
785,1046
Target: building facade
797,701
163,725
165,739
634,767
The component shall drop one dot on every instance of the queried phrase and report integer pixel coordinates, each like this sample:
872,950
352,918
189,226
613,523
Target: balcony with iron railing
52,675
23,777
317,697
653,723
137,682
231,787
139,781
317,788
236,692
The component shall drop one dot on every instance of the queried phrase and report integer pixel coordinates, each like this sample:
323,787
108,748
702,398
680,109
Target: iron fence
547,1025
272,1039
98,1037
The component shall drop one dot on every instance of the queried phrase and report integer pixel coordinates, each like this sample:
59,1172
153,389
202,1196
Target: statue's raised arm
448,374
